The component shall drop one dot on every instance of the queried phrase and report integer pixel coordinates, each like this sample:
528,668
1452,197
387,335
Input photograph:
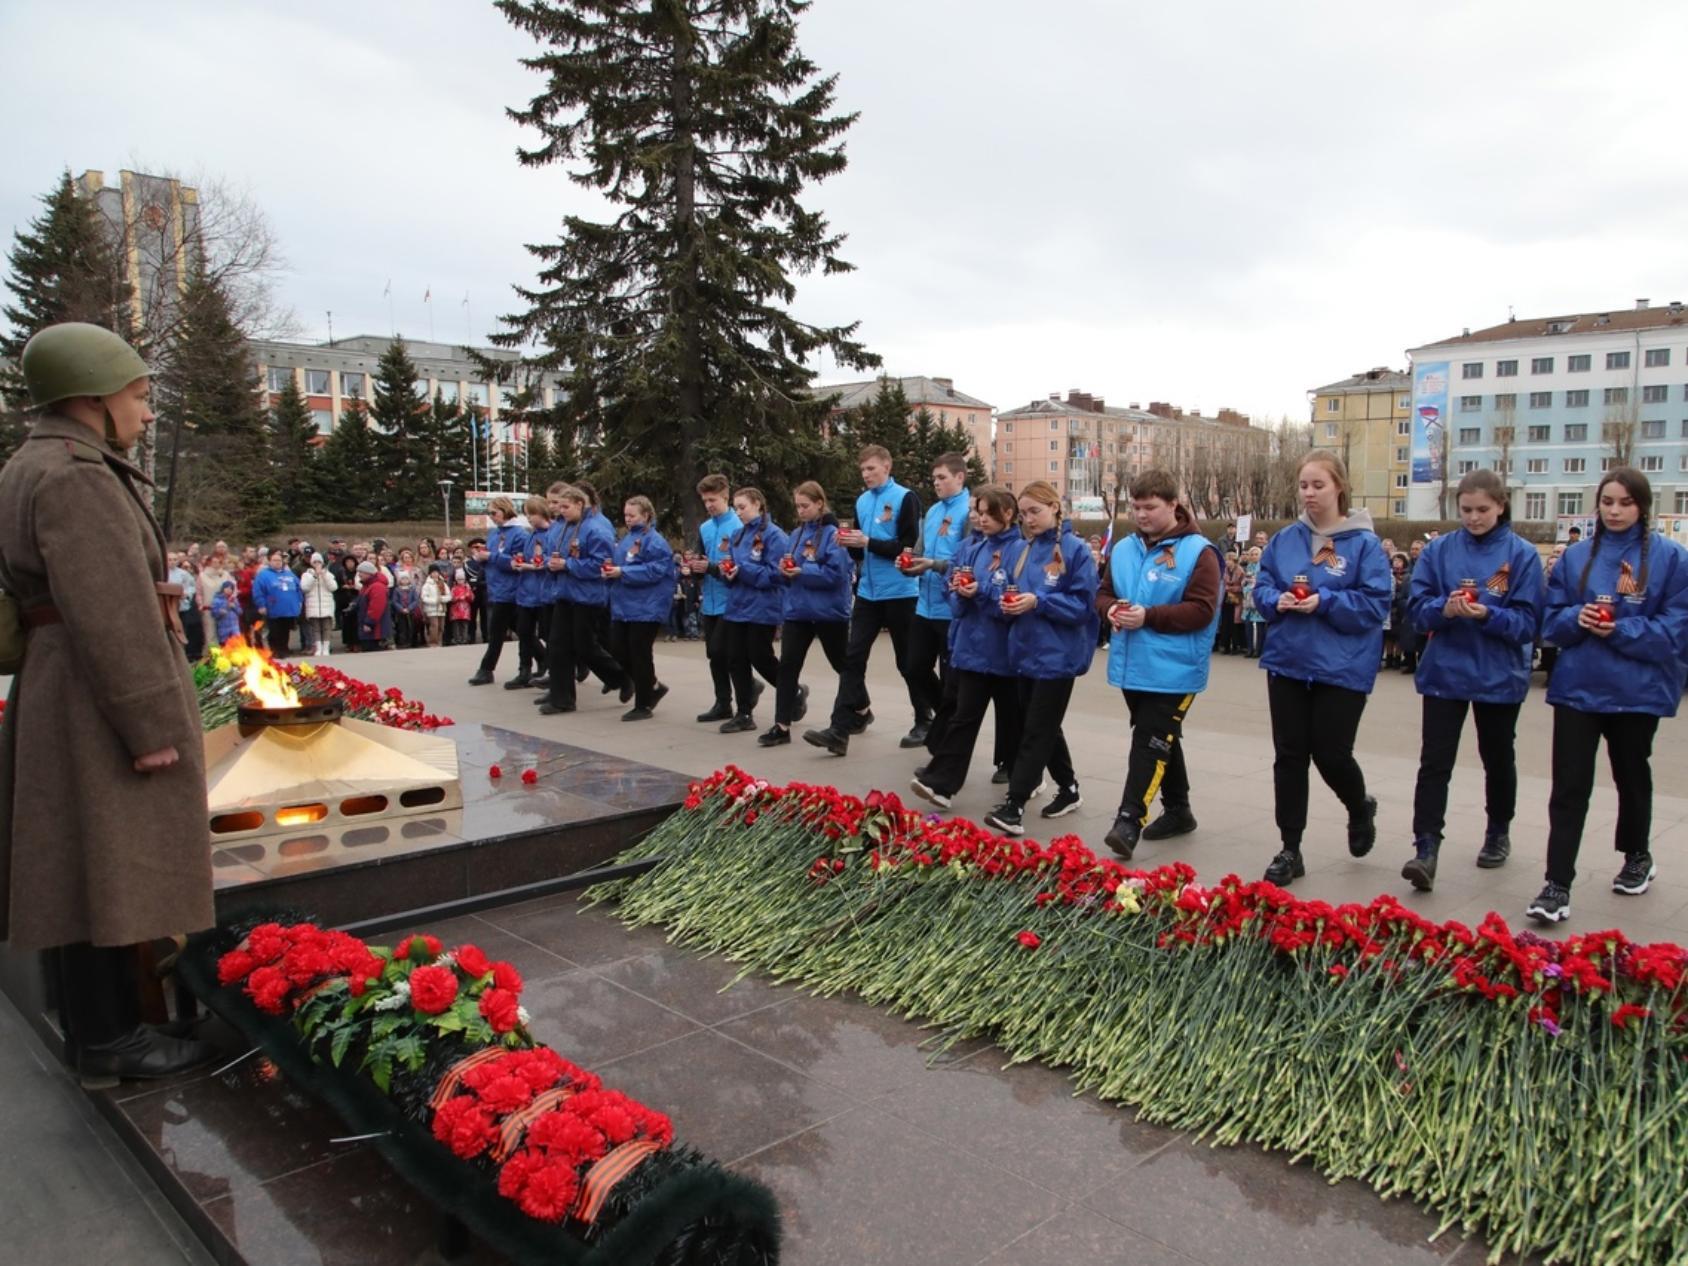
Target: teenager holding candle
818,575
641,580
714,537
755,603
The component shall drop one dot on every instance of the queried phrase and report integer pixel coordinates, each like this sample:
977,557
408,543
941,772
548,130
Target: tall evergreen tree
404,442
62,267
214,441
296,457
353,487
702,122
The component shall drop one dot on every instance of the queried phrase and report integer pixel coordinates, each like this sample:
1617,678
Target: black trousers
799,635
501,618
281,632
953,750
98,989
1043,706
750,652
631,642
1576,744
866,620
1497,728
595,657
1312,722
194,627
720,658
927,665
530,650
1156,764
574,645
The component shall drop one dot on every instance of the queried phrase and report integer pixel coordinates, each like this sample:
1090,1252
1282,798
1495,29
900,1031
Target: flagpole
392,318
428,299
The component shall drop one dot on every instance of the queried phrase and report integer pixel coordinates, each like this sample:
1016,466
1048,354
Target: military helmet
78,359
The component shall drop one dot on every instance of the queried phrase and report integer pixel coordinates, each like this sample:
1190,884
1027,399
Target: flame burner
310,711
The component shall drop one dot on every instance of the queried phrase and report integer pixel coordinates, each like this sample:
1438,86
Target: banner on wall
1430,421
1674,526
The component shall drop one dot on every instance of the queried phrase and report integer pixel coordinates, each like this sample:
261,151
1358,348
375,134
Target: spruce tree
403,429
701,122
62,267
350,467
295,456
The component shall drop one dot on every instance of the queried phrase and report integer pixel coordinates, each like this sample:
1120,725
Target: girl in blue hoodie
1477,594
641,584
1617,609
819,578
755,603
1050,600
1323,587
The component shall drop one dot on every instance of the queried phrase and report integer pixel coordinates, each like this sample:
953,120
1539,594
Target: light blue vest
713,533
876,515
945,525
1162,663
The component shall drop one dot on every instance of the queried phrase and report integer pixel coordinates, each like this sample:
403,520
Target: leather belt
169,606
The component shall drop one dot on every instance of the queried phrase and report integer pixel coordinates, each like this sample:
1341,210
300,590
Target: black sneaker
1552,904
637,714
1285,868
1497,847
1001,776
939,798
626,691
921,770
1066,800
720,712
1420,872
738,725
549,709
861,722
802,704
540,683
658,695
916,737
1007,817
1637,874
482,678
775,737
829,738
609,686
520,681
1123,835
1174,820
1362,830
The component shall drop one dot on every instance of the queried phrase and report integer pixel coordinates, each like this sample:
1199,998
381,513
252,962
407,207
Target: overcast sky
1212,204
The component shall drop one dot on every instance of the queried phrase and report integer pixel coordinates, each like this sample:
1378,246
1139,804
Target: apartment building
937,396
1367,420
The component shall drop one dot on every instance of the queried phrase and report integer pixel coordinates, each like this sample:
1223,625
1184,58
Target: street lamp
445,495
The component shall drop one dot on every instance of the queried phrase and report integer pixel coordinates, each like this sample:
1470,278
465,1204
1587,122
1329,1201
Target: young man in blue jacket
714,540
945,524
503,544
277,600
584,545
887,524
1162,601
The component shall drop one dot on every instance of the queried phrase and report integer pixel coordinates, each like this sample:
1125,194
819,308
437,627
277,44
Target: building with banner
1367,420
1551,402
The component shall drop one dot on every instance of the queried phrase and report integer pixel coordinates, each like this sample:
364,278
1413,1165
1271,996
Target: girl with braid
1617,609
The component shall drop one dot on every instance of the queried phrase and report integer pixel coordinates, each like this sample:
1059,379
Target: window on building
1535,505
1400,507
1470,434
1617,360
1656,357
1615,395
1507,401
1576,399
1682,497
1405,402
1506,369
1576,432
1404,427
1054,445
1577,364
476,395
451,392
351,384
1653,430
1541,400
1403,454
316,382
1655,393
1054,468
1471,404
1008,427
279,378
1682,463
323,420
1535,466
1539,434
423,390
1685,428
1541,365
1401,480
1570,503
1652,463
1333,405
1054,424
1606,463
1575,465
1503,466
1465,468
1471,369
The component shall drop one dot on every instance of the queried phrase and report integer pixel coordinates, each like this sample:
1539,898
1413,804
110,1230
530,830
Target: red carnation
565,1137
495,772
504,1095
1031,940
464,1126
233,966
506,977
549,1193
500,1009
472,960
430,944
268,989
266,942
432,989
530,776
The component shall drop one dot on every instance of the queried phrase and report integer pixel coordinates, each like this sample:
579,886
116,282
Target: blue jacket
500,544
225,611
978,632
756,595
1056,638
587,546
1488,660
940,534
1640,665
880,515
533,586
1340,644
714,536
277,594
1145,658
645,591
820,591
